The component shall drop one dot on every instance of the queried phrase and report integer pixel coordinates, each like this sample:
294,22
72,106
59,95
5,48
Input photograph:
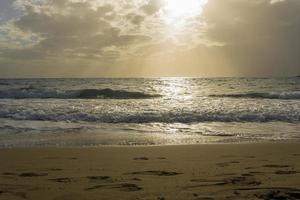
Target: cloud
72,29
276,1
152,6
135,19
258,37
138,38
239,38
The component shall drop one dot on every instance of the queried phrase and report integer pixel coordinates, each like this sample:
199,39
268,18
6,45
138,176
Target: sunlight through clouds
182,9
150,37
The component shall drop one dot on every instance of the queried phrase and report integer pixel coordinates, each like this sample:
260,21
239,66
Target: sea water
158,111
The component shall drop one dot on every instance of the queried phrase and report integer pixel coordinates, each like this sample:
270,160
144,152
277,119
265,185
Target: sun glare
184,8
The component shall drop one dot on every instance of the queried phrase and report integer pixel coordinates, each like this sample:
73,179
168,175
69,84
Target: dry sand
203,172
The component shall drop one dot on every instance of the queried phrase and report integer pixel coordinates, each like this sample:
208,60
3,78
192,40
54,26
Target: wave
113,94
136,118
263,95
32,93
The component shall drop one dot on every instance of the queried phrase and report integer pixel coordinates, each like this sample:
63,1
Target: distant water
92,112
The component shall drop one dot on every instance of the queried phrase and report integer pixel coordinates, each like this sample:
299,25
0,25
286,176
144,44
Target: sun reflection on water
175,88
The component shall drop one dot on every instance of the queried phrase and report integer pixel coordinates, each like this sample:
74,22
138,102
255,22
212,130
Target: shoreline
197,172
152,146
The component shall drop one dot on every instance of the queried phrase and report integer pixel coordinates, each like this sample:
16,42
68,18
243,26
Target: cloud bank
129,38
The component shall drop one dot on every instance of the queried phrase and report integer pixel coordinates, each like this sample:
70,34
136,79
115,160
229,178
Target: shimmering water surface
92,112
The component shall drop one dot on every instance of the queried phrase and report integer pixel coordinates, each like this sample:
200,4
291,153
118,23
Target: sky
149,38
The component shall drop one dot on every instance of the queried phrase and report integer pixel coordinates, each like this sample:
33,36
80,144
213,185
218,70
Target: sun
184,8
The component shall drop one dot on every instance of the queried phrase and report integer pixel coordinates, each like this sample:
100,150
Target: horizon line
154,77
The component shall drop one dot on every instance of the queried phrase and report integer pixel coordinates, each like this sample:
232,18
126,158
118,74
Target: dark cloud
152,6
79,31
135,18
7,10
80,20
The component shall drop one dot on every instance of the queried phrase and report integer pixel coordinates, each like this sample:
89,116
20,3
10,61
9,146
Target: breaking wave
32,93
263,95
156,117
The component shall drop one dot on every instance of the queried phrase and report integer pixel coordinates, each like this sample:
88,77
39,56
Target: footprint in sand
32,174
54,169
62,180
25,174
204,183
21,195
98,178
251,157
202,197
54,158
257,172
135,179
154,173
226,164
160,158
283,194
242,180
145,158
141,158
276,166
9,174
250,168
124,187
237,180
281,172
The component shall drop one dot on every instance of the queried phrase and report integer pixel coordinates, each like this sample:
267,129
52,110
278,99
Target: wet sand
198,172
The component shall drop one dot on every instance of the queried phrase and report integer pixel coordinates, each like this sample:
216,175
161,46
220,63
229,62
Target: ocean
158,111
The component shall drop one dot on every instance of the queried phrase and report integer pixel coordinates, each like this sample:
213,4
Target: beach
205,171
149,100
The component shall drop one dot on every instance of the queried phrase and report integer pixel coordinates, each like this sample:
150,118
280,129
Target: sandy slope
240,171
